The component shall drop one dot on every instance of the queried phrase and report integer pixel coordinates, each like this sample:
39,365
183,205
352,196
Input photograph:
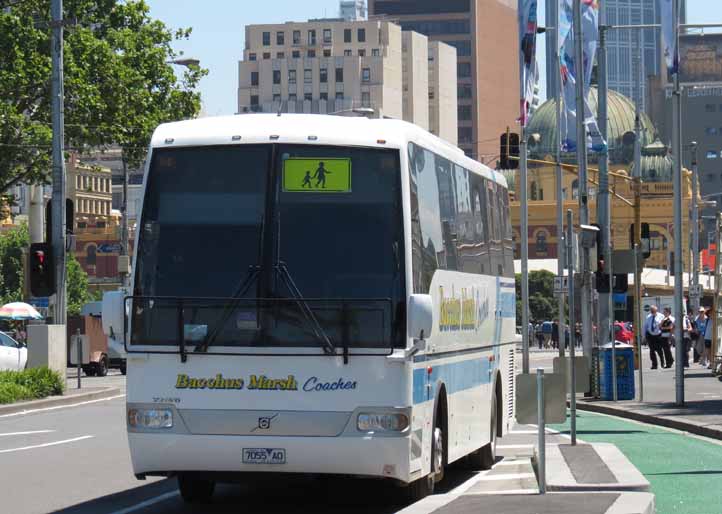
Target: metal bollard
79,343
541,424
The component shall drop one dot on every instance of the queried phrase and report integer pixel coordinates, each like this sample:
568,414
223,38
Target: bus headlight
150,418
382,421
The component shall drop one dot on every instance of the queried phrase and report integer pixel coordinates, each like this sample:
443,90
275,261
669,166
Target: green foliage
118,83
542,303
29,384
78,294
12,243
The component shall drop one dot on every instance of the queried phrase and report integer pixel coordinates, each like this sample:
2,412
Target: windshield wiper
243,287
316,328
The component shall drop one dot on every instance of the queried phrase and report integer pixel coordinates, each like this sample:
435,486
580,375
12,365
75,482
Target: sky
218,35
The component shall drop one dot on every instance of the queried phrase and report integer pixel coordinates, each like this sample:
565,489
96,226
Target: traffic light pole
58,199
694,292
586,289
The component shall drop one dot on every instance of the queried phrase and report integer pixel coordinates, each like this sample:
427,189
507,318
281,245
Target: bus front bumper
363,455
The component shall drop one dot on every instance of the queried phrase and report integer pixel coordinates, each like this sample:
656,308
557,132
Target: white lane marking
54,443
520,462
507,476
27,433
503,492
513,446
147,503
44,409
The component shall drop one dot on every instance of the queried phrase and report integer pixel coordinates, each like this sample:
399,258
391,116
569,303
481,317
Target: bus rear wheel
485,457
194,489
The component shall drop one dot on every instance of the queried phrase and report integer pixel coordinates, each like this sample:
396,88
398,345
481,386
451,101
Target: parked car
13,355
621,333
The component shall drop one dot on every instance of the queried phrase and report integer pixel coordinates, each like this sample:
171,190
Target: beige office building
331,66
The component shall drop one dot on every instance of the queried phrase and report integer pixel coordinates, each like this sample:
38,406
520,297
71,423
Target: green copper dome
621,121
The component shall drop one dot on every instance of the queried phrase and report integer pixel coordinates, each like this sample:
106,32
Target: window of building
711,154
346,35
375,52
348,52
431,94
423,7
251,57
276,76
710,108
82,224
311,37
323,75
254,99
91,256
296,54
463,48
433,28
254,78
365,99
291,76
307,76
276,98
266,55
463,69
361,35
323,96
339,95
362,52
266,39
280,38
311,53
366,75
463,91
339,74
280,55
101,224
465,134
296,37
327,36
291,98
327,53
308,96
464,112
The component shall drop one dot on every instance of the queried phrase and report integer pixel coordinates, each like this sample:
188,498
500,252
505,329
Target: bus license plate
264,455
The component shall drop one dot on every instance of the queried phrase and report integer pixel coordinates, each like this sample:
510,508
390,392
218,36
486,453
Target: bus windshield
271,245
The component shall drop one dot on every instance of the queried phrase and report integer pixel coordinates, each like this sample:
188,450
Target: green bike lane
685,472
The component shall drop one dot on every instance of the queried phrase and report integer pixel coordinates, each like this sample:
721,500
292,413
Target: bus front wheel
194,489
424,486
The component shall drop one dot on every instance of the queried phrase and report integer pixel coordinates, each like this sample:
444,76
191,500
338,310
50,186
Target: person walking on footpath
555,334
653,335
700,322
668,336
706,359
687,336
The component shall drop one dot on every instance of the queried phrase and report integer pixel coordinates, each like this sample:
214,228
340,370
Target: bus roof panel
298,128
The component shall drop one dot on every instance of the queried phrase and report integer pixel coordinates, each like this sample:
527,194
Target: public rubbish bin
625,372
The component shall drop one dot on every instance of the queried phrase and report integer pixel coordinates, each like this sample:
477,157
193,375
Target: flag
527,45
569,72
669,35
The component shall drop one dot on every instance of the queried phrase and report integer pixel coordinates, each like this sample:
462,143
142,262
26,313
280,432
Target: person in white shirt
653,334
700,326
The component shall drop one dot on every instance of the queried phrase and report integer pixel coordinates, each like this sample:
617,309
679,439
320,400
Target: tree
118,83
541,296
78,294
12,272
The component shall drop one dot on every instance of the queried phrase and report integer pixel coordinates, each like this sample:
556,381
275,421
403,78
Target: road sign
109,248
561,285
695,290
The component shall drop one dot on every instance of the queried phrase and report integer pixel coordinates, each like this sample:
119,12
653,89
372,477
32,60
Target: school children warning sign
317,175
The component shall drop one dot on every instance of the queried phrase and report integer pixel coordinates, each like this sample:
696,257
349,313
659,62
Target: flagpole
586,290
561,243
523,196
678,229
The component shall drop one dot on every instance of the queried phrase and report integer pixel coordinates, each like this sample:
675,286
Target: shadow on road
270,495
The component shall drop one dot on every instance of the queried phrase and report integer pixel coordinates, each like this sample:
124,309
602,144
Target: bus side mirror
113,315
421,316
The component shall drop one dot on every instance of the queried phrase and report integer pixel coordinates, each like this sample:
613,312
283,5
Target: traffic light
42,270
646,250
509,148
69,219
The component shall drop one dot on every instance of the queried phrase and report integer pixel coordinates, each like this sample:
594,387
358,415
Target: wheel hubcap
438,457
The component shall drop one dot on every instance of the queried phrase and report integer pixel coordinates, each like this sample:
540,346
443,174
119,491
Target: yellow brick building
656,201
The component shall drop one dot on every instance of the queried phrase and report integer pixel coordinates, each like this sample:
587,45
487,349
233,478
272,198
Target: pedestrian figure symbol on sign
320,175
307,180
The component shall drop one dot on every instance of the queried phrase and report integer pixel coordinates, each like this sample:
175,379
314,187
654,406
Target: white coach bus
316,294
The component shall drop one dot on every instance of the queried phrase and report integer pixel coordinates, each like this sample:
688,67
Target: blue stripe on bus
456,376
